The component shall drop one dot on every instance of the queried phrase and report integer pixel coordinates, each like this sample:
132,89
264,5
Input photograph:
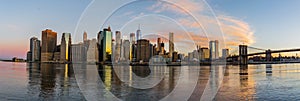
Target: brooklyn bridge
243,56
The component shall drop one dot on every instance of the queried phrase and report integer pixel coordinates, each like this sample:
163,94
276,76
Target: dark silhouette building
143,50
49,42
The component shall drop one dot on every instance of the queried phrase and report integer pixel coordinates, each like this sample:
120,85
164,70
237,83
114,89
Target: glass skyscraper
105,45
214,49
35,50
65,47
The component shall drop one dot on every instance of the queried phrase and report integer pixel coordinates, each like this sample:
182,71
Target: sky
267,24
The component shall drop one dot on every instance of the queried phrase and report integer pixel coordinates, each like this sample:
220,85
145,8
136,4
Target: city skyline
27,27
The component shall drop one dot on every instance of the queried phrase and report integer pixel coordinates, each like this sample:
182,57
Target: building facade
35,50
79,53
126,50
65,52
214,49
117,53
132,47
205,54
225,53
105,44
143,51
49,42
92,52
171,44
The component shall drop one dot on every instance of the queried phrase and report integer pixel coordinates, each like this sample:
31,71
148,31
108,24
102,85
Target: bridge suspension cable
257,48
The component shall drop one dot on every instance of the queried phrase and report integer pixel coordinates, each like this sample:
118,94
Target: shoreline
163,64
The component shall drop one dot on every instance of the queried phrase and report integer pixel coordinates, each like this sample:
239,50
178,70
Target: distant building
162,49
35,50
205,54
92,52
132,47
175,56
56,56
158,49
138,33
143,51
117,54
65,52
126,50
29,56
214,49
85,36
171,44
105,44
79,53
225,53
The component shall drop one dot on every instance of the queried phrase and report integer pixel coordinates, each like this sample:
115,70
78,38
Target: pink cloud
235,31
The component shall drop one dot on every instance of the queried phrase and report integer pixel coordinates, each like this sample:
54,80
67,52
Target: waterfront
22,81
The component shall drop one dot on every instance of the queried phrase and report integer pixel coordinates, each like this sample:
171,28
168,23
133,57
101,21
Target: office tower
105,45
92,52
225,53
138,33
175,56
35,50
117,54
84,36
158,49
162,49
65,48
126,50
214,49
29,56
79,53
56,56
49,39
190,56
205,53
143,52
171,44
151,48
132,47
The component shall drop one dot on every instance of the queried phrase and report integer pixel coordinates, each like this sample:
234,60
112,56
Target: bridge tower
243,54
268,55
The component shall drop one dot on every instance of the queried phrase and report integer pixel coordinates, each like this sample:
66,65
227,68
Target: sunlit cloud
235,31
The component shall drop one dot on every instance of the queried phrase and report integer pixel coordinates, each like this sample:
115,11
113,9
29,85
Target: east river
77,82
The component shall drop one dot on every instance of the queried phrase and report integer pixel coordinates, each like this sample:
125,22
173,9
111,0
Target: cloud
176,6
235,31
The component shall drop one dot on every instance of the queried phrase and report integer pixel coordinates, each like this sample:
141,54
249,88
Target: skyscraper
205,53
225,53
35,50
171,44
49,40
84,36
79,53
65,48
138,33
132,47
143,51
126,50
162,49
158,49
214,49
117,54
105,45
92,52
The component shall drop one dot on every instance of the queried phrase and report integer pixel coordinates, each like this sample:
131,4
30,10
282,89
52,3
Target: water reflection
57,82
121,82
52,82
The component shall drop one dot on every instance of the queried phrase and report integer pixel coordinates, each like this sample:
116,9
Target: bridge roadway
274,51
